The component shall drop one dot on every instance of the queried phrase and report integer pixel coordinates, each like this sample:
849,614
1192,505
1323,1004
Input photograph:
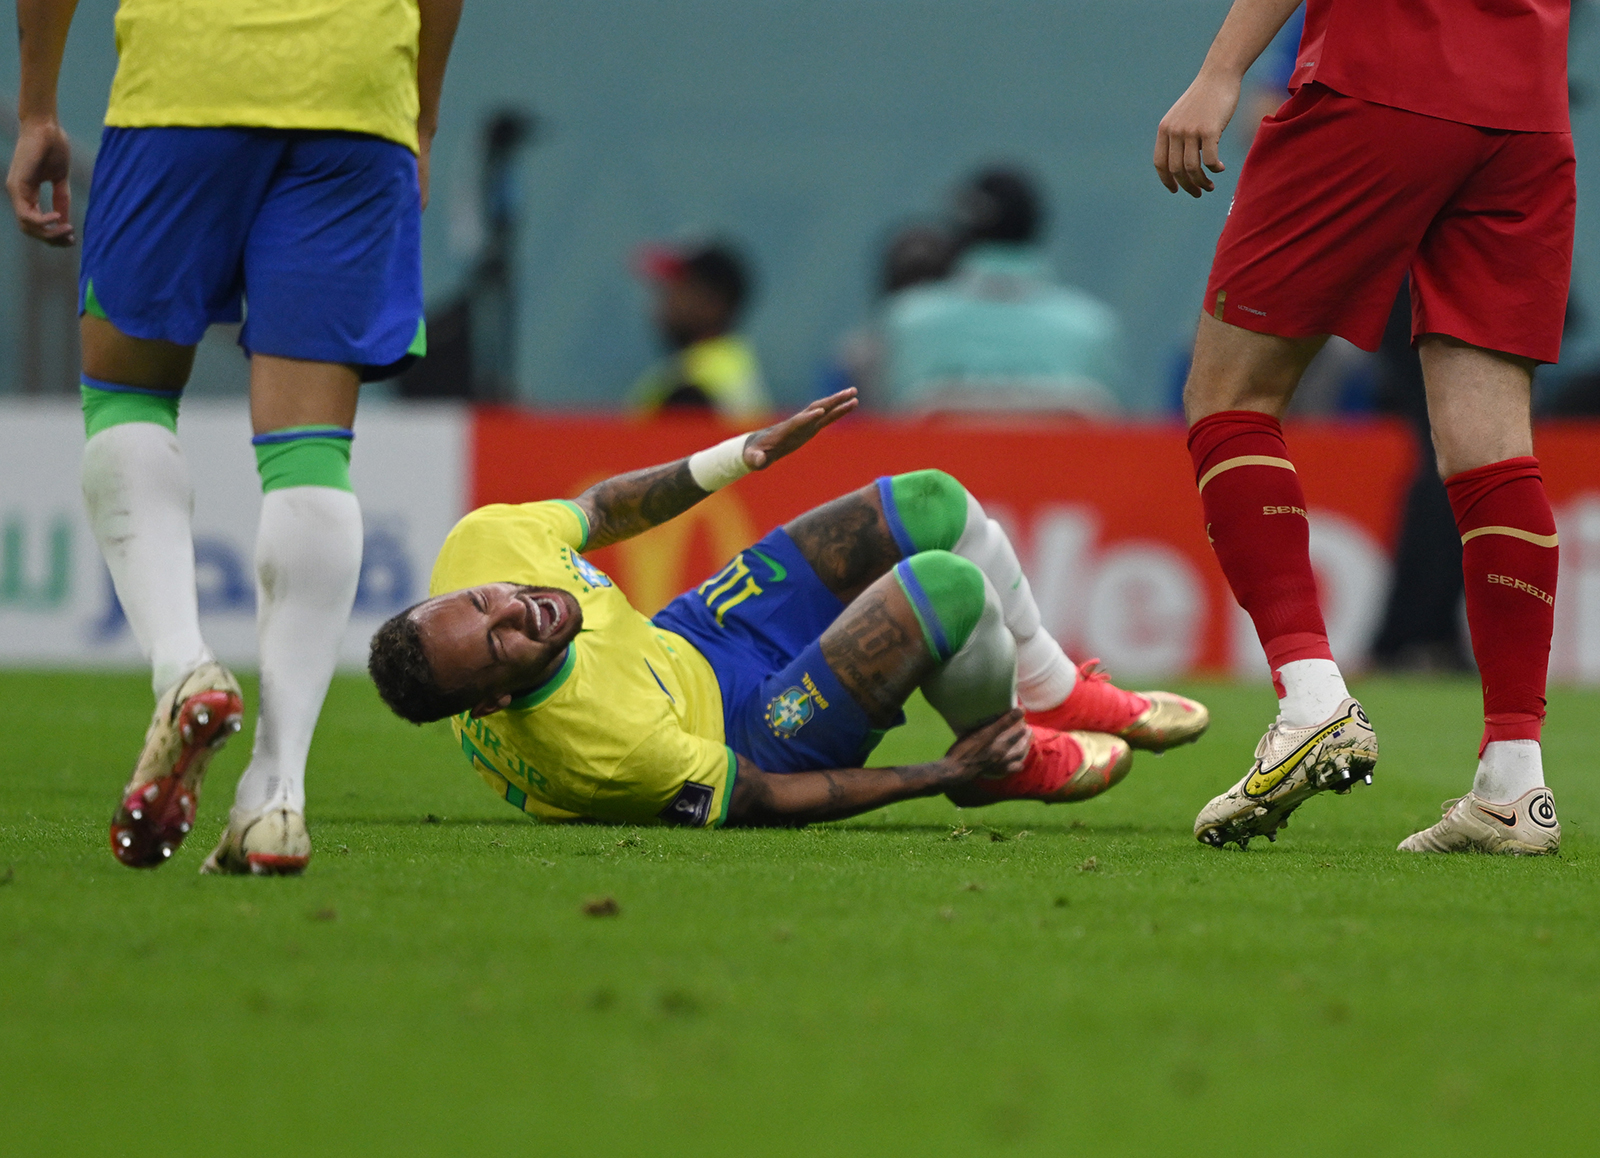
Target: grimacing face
501,639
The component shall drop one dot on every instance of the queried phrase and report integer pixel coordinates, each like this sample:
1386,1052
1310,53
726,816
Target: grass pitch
1021,979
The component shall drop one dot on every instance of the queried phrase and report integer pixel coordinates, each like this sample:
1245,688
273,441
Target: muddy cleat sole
1062,768
193,720
1525,827
1149,721
268,843
1291,766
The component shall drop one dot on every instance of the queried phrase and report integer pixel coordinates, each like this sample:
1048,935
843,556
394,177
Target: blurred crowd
967,315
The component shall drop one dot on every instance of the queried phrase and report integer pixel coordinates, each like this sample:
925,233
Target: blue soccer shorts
758,622
319,232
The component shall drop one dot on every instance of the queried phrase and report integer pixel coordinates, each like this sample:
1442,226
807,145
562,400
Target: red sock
1256,521
1509,559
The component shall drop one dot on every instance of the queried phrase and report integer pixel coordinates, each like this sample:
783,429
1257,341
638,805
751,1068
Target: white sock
1312,688
308,558
1045,675
1507,770
137,493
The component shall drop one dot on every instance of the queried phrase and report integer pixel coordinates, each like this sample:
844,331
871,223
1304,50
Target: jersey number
729,587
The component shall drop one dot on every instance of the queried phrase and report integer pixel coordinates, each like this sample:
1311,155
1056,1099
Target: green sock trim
103,409
304,462
419,344
91,304
932,507
947,594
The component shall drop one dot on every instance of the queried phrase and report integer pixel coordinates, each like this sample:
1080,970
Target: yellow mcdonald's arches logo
655,566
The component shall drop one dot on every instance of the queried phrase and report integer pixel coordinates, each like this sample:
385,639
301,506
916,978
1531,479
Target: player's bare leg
308,560
1255,511
935,622
853,540
137,494
1478,404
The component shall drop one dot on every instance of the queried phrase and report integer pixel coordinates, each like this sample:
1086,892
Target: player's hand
765,447
1186,141
994,750
42,156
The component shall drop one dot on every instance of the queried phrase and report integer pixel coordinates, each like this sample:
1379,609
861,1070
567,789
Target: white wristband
717,466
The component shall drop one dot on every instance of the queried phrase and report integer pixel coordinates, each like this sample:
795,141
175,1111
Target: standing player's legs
332,268
308,561
1239,384
162,247
1334,198
1492,275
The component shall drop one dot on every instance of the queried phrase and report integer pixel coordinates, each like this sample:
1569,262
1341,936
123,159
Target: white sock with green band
930,510
308,561
139,501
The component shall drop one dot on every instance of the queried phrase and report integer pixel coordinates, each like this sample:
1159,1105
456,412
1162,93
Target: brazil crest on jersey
630,727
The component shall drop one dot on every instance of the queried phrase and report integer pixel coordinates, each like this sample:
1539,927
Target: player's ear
490,706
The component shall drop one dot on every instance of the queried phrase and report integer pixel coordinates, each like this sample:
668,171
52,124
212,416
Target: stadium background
806,130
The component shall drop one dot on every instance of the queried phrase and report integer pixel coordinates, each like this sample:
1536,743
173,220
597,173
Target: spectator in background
916,254
1001,333
700,293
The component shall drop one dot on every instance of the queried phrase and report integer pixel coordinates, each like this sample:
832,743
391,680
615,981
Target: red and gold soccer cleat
192,721
1061,768
1152,721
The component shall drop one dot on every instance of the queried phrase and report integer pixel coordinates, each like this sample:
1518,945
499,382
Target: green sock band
930,507
304,456
946,592
106,404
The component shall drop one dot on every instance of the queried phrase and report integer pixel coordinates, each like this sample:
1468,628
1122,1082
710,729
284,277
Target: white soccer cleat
270,842
1292,765
1525,827
194,718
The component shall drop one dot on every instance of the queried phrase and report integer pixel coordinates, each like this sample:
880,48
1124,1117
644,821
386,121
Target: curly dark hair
399,667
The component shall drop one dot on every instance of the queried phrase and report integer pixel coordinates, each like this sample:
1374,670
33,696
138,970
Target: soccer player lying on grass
756,697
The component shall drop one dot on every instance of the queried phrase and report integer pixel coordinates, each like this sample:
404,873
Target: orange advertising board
1105,516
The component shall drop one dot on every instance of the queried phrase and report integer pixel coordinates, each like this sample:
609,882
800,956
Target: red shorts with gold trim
1340,198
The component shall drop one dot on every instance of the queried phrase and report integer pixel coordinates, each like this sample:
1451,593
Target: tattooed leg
847,542
876,650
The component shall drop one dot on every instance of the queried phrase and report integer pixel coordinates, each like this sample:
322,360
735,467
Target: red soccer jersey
1501,64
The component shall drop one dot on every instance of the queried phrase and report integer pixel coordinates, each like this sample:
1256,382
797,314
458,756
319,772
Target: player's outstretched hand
765,447
1186,141
996,749
42,155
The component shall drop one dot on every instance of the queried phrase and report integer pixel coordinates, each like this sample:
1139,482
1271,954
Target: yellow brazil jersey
630,727
346,65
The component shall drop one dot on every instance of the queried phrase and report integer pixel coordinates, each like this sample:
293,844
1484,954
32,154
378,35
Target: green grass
1023,980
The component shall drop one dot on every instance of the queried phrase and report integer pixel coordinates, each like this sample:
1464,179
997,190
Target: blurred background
739,206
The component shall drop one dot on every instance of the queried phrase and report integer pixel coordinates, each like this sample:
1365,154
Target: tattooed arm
630,504
790,798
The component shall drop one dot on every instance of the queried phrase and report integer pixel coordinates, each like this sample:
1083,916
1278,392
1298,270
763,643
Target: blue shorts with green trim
758,621
320,232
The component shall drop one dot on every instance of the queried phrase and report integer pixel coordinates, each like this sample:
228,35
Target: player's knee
107,404
932,507
304,456
947,593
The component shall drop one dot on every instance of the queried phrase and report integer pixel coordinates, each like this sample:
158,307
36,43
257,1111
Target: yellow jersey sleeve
671,778
330,65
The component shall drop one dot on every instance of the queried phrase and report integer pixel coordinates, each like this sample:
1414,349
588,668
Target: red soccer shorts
1339,198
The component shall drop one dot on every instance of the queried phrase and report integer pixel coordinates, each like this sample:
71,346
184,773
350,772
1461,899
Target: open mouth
545,614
